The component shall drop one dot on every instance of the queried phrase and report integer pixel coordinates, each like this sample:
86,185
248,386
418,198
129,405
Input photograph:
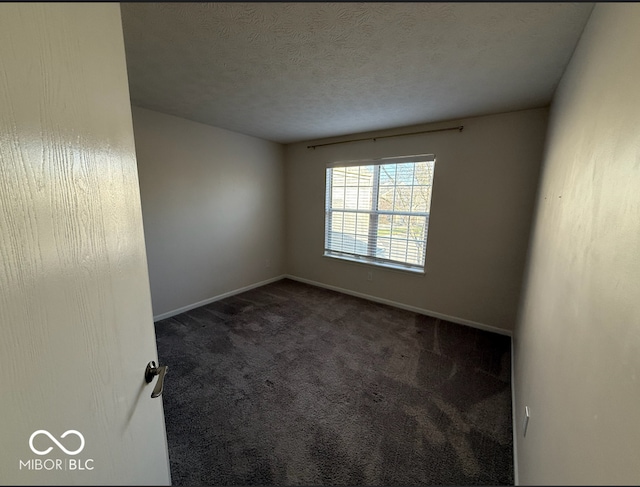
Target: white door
75,310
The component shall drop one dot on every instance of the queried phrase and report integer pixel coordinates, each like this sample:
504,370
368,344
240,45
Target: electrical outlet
525,423
370,276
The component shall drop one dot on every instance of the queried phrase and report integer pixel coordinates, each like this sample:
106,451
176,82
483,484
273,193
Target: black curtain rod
458,128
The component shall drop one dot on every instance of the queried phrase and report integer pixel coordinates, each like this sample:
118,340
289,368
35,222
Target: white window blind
377,211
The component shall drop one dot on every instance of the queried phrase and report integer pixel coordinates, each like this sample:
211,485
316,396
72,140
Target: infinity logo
51,437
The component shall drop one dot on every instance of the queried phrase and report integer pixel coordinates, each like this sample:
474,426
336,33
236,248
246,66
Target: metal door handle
150,372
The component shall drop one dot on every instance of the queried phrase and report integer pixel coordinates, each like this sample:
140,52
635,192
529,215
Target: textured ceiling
298,71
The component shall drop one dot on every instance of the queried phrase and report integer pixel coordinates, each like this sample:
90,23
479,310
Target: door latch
150,372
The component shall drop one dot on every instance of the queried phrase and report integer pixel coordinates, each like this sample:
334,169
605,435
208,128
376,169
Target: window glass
378,211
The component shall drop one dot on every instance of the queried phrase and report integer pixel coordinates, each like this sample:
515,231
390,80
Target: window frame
375,213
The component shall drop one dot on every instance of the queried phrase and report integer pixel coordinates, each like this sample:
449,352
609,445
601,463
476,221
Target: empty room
319,243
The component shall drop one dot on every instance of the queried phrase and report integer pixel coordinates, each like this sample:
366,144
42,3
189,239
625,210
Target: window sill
384,265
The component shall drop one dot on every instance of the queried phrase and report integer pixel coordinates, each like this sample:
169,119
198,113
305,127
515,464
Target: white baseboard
395,304
174,312
516,480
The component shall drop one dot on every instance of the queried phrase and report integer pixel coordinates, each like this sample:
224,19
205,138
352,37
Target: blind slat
378,210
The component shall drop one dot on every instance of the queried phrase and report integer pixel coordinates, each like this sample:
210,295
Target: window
377,211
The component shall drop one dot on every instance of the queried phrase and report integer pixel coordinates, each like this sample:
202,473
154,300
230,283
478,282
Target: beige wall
483,197
212,205
577,343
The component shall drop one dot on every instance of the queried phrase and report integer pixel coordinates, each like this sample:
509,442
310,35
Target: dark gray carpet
290,384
